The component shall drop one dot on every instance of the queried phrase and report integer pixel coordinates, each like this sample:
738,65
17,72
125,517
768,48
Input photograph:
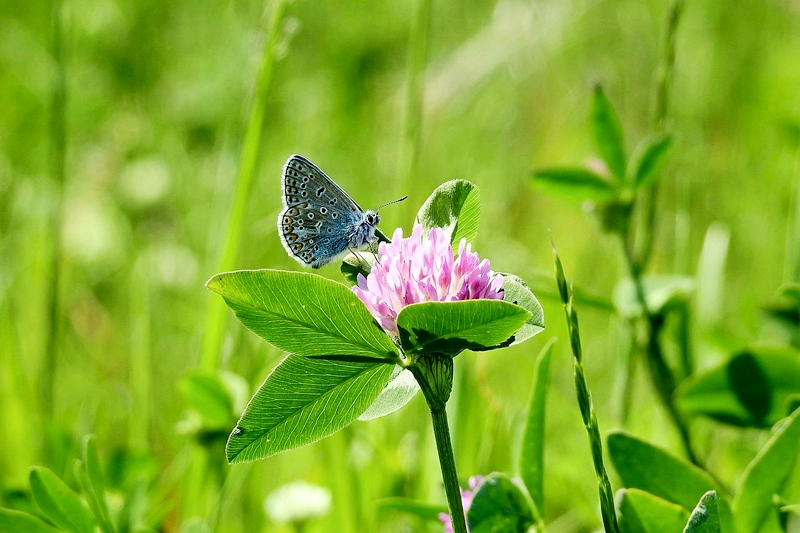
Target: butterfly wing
319,217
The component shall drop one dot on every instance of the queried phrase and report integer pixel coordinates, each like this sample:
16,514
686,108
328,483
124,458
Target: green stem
58,170
585,403
434,374
660,374
216,313
414,90
444,447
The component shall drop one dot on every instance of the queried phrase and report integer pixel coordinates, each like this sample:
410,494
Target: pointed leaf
516,291
424,510
449,327
12,521
607,133
302,401
402,387
303,313
750,390
646,467
766,475
531,463
649,158
499,506
705,517
60,503
206,394
660,292
574,184
454,206
90,477
641,512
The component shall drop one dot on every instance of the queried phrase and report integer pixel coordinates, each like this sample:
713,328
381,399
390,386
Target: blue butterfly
319,220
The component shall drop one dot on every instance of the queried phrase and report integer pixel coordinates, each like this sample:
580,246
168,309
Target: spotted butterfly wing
319,220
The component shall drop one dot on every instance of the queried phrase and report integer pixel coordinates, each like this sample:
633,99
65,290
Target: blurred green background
157,99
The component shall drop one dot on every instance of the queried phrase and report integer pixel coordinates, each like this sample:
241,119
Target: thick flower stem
434,374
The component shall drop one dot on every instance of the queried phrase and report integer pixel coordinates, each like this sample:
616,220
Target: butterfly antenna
392,202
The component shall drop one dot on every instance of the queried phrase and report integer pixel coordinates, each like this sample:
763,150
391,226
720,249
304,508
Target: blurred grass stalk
58,142
140,368
791,270
585,401
637,257
197,490
216,312
411,135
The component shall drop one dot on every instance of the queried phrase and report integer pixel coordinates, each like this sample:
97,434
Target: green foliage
752,389
705,517
607,133
531,457
450,327
642,512
516,291
423,510
660,292
302,401
648,159
766,475
643,466
499,506
400,389
59,503
303,313
455,207
12,521
206,394
90,476
574,184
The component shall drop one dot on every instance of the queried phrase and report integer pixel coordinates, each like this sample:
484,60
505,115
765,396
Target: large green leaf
302,401
766,475
12,521
607,133
499,506
454,206
643,466
516,291
449,327
641,512
648,159
705,517
574,184
60,503
303,313
531,460
400,389
752,389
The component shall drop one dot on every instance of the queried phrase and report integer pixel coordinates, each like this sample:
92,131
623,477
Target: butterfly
320,221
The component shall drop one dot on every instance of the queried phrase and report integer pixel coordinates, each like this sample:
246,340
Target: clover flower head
466,501
424,269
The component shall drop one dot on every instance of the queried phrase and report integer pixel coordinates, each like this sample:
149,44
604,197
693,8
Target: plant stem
434,373
660,374
216,312
444,447
585,403
412,116
58,150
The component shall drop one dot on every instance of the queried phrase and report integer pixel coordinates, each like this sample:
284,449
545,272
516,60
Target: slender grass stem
585,402
414,93
216,313
58,144
661,375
